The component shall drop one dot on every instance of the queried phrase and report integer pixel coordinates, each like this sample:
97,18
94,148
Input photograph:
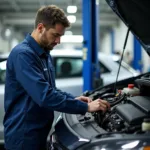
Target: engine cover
135,110
128,115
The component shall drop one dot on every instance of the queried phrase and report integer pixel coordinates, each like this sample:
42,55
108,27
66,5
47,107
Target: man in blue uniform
30,93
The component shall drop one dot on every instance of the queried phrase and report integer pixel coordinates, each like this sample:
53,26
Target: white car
69,67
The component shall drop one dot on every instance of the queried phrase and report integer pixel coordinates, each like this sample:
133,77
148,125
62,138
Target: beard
45,44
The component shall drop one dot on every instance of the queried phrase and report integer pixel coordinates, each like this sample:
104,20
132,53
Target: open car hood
136,15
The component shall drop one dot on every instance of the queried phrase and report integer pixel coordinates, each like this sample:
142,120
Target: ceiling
20,13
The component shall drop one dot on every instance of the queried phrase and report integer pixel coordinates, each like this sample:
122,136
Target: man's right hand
98,105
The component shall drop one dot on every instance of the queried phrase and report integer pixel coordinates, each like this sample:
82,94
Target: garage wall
7,43
4,45
119,37
120,34
105,44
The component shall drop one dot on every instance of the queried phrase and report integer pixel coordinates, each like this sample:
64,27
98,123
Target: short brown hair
50,16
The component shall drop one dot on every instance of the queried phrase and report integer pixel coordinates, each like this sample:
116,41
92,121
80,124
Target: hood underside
136,15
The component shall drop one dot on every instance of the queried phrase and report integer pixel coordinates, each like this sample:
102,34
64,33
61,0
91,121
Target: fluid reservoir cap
131,86
147,120
146,124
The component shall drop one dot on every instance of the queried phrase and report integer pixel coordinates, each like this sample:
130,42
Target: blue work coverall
31,97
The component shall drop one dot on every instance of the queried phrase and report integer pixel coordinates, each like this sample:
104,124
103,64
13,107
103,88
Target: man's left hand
84,99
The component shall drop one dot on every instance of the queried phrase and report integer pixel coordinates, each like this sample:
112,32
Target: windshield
127,67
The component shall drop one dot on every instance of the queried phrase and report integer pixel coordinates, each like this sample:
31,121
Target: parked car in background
68,67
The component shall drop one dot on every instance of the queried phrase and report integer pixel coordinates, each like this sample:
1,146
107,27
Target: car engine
127,112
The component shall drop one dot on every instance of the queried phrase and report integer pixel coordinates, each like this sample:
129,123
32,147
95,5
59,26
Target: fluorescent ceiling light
71,18
72,9
7,32
72,39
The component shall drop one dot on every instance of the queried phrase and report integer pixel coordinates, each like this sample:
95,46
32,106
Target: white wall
105,45
119,35
119,38
4,45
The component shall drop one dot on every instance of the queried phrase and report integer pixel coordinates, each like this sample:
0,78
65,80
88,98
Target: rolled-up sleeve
30,76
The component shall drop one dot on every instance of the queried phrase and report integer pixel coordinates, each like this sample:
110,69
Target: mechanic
30,93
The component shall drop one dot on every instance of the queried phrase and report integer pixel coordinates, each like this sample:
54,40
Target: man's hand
98,105
84,99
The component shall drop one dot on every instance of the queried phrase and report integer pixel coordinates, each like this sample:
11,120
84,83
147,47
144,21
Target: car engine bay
127,121
129,113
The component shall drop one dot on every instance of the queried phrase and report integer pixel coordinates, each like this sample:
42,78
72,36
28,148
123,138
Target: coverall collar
36,47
